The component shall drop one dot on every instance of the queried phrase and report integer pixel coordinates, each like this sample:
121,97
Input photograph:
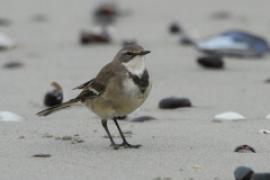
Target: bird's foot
125,145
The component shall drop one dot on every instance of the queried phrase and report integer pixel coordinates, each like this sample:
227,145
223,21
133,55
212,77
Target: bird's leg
125,143
104,124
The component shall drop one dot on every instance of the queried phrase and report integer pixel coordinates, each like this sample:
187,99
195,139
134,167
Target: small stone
47,135
264,131
39,18
21,137
8,116
186,41
66,138
173,103
4,22
245,149
213,62
143,118
13,65
261,176
54,97
175,28
57,138
243,173
91,38
228,117
267,81
41,155
221,15
76,140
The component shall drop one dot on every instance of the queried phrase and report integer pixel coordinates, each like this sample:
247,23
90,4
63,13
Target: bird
119,88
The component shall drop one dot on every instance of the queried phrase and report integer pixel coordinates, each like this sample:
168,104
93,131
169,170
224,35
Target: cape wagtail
119,88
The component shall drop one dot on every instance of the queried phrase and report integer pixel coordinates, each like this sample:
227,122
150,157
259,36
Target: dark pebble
267,81
4,22
213,62
221,15
143,119
41,155
106,9
261,176
186,41
175,28
39,18
54,97
243,173
245,149
90,38
106,14
66,138
172,103
13,65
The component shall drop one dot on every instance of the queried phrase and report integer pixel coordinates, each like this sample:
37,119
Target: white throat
136,66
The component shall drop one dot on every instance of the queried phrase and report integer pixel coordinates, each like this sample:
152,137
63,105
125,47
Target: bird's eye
129,53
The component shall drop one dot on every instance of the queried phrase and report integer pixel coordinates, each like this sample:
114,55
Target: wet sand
181,143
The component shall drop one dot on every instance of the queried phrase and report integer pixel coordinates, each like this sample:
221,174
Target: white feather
136,66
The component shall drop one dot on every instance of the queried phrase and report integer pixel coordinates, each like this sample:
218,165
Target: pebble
67,138
245,149
54,97
41,155
143,119
228,117
21,137
211,62
221,15
243,173
39,18
106,13
175,28
6,42
8,116
76,140
264,131
174,102
186,41
261,176
13,65
4,22
267,80
91,38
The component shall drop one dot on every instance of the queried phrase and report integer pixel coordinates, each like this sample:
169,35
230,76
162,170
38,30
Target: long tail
62,106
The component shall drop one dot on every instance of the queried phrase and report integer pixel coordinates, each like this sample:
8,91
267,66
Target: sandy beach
181,144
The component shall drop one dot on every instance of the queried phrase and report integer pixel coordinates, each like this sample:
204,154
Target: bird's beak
144,53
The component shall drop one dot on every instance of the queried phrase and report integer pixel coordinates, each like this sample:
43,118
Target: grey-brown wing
82,86
90,91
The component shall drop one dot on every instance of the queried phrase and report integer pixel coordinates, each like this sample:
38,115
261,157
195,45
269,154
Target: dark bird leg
104,124
125,143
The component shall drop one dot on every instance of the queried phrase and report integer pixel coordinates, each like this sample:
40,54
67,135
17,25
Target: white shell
267,117
264,131
228,116
10,117
6,42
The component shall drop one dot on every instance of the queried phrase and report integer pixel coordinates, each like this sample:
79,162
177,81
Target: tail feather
64,105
